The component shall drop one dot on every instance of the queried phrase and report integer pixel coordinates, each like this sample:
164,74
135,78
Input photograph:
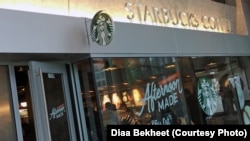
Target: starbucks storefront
62,73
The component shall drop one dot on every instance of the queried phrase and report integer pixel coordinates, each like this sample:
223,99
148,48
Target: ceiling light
23,104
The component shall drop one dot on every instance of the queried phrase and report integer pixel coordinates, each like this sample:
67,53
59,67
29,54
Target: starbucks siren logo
102,28
207,95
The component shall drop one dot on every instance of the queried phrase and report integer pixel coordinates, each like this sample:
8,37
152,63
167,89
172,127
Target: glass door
51,95
24,102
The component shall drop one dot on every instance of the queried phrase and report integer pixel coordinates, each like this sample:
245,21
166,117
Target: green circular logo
207,95
102,28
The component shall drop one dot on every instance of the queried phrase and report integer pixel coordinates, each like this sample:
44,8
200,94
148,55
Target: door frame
79,122
36,68
14,96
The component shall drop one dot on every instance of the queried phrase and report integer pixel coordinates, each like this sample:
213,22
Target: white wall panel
134,38
24,32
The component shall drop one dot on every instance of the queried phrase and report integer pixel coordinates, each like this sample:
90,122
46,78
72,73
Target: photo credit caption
176,132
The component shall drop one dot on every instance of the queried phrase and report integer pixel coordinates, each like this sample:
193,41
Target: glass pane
143,91
25,103
7,128
216,91
89,99
56,106
189,84
240,83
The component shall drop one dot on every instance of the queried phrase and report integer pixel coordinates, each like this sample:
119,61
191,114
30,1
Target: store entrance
44,102
52,104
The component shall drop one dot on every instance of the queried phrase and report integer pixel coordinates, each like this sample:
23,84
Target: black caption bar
173,132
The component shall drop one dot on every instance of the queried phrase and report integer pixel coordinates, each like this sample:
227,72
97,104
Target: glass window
144,91
217,89
90,102
164,91
25,103
240,83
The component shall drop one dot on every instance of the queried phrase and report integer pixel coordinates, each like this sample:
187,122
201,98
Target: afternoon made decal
161,96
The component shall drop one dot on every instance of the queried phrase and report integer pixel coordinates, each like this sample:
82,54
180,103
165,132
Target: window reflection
165,91
219,75
150,88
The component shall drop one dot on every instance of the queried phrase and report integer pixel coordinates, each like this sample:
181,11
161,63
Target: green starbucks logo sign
207,95
102,28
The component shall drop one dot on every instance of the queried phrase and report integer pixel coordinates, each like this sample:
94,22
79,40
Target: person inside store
110,116
227,100
191,101
126,116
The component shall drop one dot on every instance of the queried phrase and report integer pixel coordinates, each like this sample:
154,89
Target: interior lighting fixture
116,100
23,104
170,66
